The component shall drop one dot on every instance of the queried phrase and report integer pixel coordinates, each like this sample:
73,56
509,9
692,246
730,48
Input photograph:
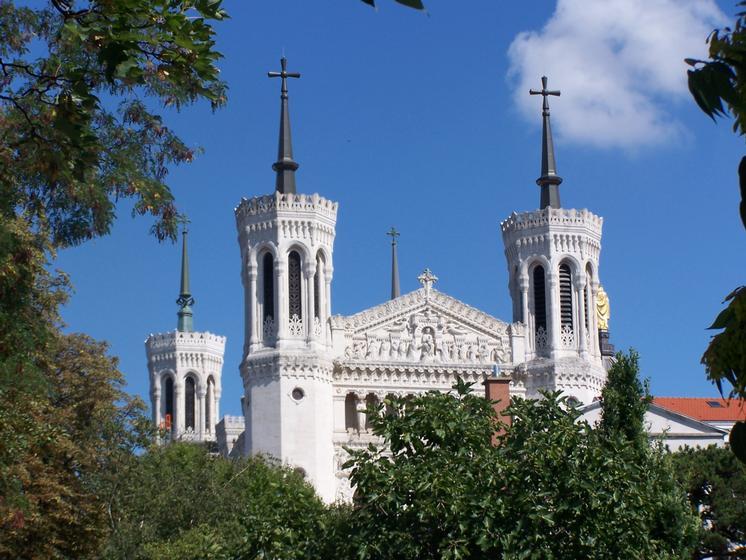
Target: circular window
298,394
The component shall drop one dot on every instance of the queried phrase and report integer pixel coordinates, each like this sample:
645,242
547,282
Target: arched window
295,305
268,283
208,403
371,400
540,300
351,412
317,289
189,390
168,398
565,286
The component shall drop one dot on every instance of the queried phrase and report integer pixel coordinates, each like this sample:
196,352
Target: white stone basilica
308,374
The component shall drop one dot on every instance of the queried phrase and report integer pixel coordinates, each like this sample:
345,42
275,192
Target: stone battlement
278,202
191,340
552,217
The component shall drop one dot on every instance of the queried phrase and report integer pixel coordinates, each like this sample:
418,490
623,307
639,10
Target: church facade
308,375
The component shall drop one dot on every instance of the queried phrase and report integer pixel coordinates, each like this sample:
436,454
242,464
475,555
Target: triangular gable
425,326
661,421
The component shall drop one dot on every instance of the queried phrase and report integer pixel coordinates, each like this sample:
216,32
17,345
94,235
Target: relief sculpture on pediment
427,337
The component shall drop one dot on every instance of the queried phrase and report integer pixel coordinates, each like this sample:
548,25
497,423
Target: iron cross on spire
549,181
395,292
394,234
284,74
545,93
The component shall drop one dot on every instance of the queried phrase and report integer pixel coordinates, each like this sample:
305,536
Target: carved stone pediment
424,326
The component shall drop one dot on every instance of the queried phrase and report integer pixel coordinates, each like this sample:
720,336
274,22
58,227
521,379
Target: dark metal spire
394,264
185,300
284,166
549,180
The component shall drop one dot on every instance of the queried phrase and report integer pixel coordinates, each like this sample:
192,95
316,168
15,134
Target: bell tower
185,369
286,241
553,262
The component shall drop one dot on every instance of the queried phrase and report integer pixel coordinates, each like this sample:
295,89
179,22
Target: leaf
416,4
738,441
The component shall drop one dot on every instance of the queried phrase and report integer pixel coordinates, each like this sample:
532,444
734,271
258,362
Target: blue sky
422,121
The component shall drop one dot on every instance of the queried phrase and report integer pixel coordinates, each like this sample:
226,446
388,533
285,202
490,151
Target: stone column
579,285
593,319
253,321
553,312
338,406
281,300
155,401
200,424
179,406
309,270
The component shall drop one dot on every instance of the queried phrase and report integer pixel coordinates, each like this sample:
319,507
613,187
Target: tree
715,482
179,501
69,441
77,134
553,487
719,85
625,400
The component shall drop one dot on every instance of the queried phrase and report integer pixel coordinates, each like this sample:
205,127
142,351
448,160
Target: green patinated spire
185,300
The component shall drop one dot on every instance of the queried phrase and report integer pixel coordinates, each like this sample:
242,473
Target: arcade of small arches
185,404
569,290
358,403
292,293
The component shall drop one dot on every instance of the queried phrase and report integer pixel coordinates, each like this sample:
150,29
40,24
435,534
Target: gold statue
602,309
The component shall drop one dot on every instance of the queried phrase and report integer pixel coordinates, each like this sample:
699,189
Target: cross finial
395,291
544,92
284,74
427,279
549,180
285,166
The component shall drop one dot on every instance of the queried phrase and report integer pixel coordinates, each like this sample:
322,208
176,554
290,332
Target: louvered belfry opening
268,270
565,285
294,286
189,390
540,303
169,402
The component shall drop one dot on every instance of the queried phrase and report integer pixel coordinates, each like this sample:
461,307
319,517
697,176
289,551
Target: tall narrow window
268,280
588,277
295,307
351,412
189,390
168,411
565,285
540,303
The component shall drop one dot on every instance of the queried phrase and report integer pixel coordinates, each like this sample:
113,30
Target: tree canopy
715,482
553,487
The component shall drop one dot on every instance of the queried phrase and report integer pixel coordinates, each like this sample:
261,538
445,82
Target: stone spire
185,300
549,180
285,166
394,264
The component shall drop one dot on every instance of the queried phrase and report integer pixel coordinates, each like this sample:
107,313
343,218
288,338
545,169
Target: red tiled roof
705,409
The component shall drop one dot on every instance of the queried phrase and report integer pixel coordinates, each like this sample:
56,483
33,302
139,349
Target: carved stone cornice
414,301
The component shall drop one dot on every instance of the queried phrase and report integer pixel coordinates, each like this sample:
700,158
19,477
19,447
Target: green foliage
552,488
416,4
715,482
715,84
625,400
77,136
179,501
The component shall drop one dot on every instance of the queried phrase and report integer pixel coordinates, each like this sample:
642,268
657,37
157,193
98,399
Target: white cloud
620,66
